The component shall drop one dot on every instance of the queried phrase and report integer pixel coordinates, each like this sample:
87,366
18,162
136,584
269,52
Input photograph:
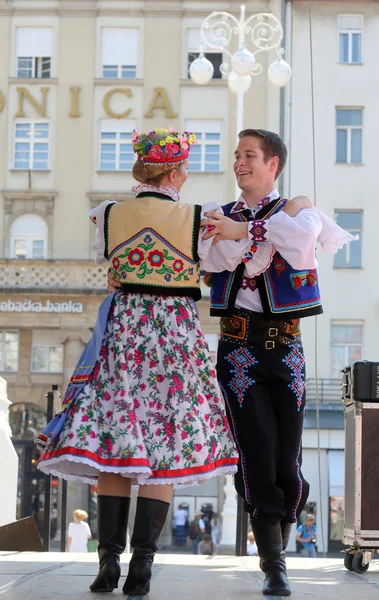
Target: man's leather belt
249,328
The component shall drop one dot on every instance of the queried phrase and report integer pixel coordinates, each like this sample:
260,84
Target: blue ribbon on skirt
80,376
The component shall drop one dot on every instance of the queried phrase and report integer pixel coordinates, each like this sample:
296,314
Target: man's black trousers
264,391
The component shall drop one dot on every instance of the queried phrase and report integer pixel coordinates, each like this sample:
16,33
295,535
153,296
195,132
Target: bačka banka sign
159,100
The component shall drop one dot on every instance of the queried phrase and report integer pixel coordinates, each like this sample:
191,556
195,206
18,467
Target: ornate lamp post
263,32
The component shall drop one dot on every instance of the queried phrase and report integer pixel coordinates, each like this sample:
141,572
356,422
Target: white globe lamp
201,70
243,62
279,72
234,82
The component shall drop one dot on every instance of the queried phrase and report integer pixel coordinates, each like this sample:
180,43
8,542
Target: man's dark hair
271,144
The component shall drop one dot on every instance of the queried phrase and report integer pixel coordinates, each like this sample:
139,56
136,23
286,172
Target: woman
143,405
79,533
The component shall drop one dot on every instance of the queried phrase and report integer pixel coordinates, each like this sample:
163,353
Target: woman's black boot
112,515
150,517
268,537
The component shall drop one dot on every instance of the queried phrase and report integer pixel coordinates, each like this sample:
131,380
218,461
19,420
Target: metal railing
329,390
49,274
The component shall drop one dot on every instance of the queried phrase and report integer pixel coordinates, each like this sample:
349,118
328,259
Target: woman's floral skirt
152,410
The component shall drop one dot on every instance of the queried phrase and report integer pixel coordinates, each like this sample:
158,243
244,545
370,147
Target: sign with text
28,306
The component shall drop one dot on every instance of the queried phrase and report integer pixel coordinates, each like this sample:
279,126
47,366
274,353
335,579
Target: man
263,280
307,536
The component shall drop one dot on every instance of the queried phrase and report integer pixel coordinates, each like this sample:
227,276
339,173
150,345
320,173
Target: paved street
67,576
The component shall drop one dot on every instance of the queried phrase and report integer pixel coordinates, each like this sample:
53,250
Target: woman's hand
296,205
223,228
112,284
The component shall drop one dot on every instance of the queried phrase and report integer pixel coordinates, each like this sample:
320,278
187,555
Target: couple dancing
144,406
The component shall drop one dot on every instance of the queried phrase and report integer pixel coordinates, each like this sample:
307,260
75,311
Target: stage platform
55,576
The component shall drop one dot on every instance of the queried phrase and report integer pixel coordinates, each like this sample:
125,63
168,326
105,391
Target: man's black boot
112,515
150,517
268,537
286,531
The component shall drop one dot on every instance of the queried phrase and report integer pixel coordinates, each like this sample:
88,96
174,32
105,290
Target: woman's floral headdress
162,146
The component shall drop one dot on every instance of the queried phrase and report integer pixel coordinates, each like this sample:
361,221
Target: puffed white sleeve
97,216
295,237
223,256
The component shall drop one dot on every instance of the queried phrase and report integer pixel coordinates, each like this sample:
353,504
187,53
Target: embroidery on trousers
241,360
296,363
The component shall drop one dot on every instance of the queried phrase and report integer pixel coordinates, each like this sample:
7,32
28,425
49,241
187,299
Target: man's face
250,168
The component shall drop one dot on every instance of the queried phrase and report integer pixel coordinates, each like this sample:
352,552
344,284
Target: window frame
36,67
32,141
346,323
350,32
119,67
2,353
48,347
349,129
118,142
354,231
202,142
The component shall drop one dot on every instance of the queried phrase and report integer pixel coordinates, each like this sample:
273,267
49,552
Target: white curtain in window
350,22
119,46
194,40
118,125
34,41
203,126
336,472
29,226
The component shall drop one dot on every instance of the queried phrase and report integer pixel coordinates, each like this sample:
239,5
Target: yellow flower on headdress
162,143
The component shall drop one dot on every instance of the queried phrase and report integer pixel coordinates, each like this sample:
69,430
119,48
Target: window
194,45
350,38
346,346
349,135
116,151
8,351
206,154
28,237
33,52
350,256
47,359
119,53
31,149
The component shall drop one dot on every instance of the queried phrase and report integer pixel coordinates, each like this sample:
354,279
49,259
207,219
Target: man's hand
112,284
222,228
296,205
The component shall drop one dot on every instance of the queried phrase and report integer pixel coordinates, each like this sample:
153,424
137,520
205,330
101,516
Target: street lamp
265,33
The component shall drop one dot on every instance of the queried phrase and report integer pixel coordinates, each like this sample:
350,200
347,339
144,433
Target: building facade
345,125
76,77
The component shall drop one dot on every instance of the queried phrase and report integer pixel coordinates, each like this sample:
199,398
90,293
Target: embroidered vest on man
285,292
151,243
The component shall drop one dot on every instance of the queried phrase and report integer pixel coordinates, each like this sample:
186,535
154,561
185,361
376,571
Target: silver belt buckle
273,332
269,344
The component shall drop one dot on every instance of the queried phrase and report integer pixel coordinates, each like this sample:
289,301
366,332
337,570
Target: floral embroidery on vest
146,259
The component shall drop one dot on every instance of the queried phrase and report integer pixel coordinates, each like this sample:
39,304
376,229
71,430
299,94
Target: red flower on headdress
172,149
156,152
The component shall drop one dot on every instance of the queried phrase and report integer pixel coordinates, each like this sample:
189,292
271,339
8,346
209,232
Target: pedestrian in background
307,536
196,531
79,533
252,549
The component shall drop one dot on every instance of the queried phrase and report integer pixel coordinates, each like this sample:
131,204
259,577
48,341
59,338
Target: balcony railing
329,390
62,275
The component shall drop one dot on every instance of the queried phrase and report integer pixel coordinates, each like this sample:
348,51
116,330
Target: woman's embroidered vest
285,292
151,244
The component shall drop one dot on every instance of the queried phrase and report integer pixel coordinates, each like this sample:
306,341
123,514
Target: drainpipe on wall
286,99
